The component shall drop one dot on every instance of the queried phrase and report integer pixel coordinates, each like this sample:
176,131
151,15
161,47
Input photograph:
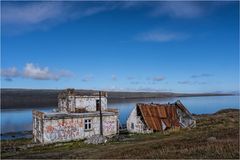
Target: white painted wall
73,128
87,102
185,120
139,126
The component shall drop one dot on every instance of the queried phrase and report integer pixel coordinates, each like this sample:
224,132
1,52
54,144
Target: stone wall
37,125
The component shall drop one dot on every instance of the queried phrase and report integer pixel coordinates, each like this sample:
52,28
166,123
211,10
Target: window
97,105
88,124
132,125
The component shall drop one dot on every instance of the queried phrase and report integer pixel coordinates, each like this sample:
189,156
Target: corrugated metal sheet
155,114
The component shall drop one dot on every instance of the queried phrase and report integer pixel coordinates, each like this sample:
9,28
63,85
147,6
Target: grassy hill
20,98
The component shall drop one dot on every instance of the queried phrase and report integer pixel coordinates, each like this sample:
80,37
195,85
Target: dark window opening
88,124
97,105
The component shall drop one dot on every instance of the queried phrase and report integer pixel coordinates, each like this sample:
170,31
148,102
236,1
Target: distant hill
24,98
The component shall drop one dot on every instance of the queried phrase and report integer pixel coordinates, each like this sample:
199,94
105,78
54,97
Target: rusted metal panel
156,114
152,117
159,117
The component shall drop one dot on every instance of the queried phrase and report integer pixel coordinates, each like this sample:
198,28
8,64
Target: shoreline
34,98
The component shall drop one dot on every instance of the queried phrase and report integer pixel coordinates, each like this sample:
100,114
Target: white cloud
19,18
179,9
202,75
32,71
184,82
135,82
158,78
10,72
131,77
35,72
160,36
30,13
87,78
149,89
114,77
191,82
136,89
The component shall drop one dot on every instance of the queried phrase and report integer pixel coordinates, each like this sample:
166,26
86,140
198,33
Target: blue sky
126,46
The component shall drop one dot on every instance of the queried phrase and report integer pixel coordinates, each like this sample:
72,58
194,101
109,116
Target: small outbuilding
147,118
78,116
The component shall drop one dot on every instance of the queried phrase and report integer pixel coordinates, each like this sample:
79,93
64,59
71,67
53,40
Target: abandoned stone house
78,116
147,118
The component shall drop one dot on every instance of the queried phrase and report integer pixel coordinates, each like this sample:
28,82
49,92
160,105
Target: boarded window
88,124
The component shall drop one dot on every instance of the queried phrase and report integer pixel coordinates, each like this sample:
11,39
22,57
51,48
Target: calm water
13,120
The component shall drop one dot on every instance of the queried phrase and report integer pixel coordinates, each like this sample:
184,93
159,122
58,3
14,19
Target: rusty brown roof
155,115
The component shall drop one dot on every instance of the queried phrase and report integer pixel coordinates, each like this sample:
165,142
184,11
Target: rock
96,139
118,138
212,139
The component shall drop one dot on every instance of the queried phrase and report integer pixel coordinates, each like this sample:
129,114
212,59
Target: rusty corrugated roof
155,115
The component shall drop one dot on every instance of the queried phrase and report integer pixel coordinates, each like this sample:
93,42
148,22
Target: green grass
186,143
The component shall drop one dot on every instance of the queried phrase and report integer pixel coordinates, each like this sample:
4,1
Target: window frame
98,105
88,123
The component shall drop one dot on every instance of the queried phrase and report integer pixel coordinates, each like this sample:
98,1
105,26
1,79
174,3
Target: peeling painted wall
90,103
62,129
135,125
185,120
65,129
80,102
37,125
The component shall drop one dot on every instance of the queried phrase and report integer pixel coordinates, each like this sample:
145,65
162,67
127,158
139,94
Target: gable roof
156,114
